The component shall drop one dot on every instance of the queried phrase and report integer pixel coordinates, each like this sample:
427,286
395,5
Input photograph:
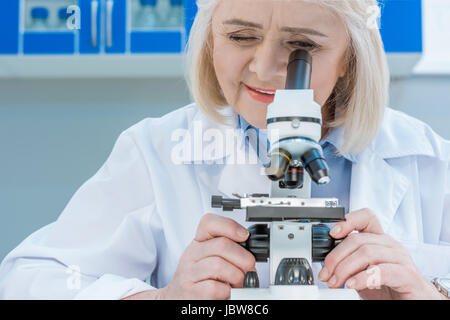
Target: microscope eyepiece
300,55
299,70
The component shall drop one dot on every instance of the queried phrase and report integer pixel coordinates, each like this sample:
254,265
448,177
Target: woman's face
252,43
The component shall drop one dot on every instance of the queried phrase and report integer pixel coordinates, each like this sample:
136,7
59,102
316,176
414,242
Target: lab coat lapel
378,186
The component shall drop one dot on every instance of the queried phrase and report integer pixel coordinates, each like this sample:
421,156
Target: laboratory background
75,73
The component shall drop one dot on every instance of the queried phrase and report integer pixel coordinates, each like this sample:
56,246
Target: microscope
290,232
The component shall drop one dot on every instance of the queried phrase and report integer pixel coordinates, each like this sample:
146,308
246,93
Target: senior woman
145,215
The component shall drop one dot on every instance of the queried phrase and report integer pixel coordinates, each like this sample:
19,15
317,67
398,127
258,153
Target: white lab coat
134,218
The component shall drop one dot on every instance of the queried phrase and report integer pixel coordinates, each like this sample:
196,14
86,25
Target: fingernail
332,281
323,274
350,283
335,230
242,232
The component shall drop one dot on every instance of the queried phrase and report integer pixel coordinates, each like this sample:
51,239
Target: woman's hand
213,263
210,266
372,262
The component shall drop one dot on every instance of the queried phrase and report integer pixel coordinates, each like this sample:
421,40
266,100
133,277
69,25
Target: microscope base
290,292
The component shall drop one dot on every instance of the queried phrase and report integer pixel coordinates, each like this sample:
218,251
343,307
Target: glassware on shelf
39,19
47,15
145,15
175,17
62,18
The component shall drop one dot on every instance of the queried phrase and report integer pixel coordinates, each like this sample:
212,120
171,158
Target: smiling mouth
261,94
261,90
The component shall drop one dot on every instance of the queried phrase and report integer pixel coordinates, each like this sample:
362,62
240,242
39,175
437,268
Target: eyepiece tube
279,160
299,70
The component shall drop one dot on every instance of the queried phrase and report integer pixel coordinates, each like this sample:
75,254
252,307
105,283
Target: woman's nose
269,63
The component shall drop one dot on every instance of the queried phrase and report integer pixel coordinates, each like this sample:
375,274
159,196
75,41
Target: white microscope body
294,237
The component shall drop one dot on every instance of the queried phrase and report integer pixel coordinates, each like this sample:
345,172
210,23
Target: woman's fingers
214,261
392,275
218,236
363,220
217,268
211,290
348,246
365,256
405,282
225,248
213,225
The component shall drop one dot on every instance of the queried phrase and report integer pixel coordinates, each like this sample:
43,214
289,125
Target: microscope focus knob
258,242
322,242
251,280
294,271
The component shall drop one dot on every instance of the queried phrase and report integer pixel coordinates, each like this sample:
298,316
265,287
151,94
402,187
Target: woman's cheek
229,64
322,84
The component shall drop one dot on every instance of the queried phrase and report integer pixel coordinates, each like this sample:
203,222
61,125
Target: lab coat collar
336,138
401,136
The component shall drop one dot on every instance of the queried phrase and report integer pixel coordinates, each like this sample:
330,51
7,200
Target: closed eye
302,44
241,38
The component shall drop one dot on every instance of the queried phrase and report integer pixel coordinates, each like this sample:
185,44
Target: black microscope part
294,271
322,242
251,280
293,177
311,214
299,70
315,165
225,204
258,242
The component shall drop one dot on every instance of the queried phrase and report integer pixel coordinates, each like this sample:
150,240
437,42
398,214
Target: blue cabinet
156,42
89,33
115,26
401,26
106,26
103,26
160,26
9,27
48,43
44,27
